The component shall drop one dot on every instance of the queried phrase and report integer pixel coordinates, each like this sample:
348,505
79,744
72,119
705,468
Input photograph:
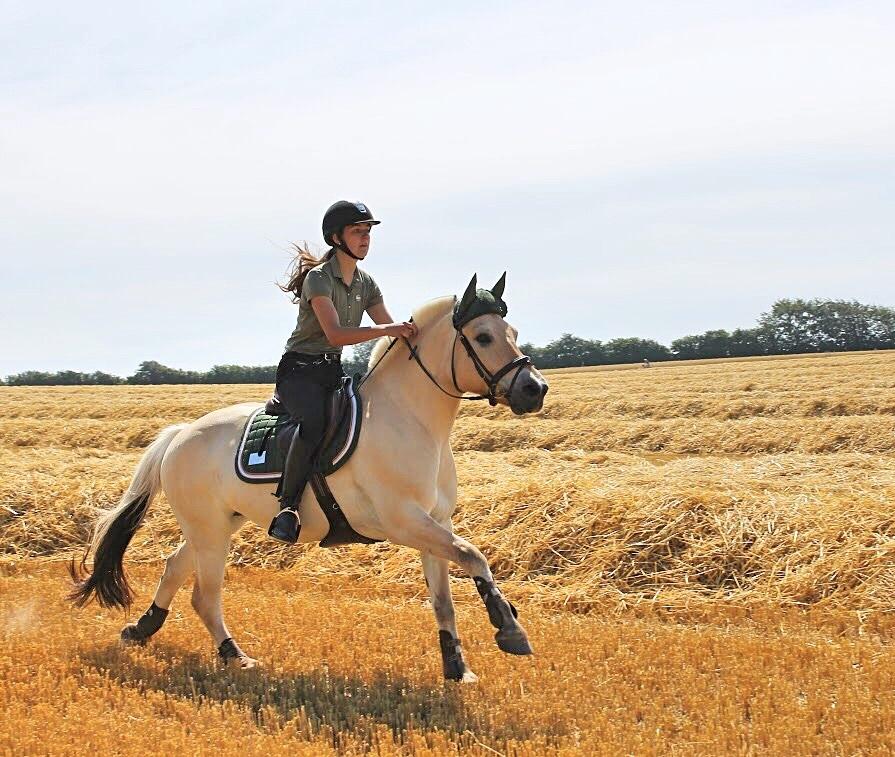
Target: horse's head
489,356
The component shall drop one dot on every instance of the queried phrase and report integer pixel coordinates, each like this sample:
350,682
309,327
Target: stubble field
703,555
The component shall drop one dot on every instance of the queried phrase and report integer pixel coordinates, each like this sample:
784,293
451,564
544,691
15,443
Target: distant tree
794,326
153,372
712,344
240,374
359,358
30,378
62,378
535,353
634,350
98,377
745,342
567,351
687,347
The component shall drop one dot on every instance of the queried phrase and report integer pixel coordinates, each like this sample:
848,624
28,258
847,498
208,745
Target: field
703,555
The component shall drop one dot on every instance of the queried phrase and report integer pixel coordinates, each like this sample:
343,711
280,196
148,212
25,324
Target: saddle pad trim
241,472
355,410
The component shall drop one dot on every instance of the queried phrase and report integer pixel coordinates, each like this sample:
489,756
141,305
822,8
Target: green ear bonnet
476,302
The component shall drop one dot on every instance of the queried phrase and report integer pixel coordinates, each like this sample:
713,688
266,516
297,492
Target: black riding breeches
303,387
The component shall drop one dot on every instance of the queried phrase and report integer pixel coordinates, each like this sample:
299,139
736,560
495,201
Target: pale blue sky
640,169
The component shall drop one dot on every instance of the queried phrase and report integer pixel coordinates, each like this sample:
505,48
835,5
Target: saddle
265,441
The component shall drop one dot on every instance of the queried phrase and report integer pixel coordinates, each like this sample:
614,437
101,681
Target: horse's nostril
532,389
544,388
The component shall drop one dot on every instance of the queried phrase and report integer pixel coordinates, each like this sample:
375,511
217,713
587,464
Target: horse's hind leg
211,561
438,581
178,567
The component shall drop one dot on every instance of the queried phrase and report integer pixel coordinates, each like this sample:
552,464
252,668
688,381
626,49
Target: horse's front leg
438,581
414,528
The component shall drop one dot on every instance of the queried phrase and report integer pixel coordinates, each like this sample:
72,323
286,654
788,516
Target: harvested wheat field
703,555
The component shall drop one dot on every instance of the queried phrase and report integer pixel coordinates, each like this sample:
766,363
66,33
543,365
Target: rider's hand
398,330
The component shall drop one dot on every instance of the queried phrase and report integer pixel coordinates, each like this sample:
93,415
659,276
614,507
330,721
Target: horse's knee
469,558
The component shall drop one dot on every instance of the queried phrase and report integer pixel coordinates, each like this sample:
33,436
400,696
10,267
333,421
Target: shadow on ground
319,698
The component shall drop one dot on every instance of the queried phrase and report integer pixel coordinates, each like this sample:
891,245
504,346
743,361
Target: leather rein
490,379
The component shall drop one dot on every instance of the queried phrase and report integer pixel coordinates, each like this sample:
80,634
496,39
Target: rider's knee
312,430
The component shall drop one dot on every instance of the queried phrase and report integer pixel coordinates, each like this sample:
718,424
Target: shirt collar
334,267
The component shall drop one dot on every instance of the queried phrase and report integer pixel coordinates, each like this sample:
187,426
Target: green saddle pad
259,458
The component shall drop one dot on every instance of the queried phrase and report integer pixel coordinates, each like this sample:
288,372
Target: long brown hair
303,262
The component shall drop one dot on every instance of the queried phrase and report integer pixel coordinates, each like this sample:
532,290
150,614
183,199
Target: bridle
490,379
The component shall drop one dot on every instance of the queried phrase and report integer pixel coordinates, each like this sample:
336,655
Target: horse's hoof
130,636
513,642
469,677
243,662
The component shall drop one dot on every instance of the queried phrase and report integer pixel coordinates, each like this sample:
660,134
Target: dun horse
400,484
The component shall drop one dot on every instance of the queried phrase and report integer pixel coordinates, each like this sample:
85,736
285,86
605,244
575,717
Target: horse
400,484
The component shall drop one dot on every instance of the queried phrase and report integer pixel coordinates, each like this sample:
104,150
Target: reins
490,379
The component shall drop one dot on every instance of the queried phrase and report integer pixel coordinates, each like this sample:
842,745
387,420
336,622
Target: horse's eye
483,339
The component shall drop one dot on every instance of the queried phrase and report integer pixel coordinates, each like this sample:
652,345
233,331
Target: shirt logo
361,207
357,297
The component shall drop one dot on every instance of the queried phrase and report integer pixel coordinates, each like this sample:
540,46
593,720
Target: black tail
108,581
114,530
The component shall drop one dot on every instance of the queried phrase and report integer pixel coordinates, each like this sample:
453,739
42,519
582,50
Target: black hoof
513,642
285,526
131,635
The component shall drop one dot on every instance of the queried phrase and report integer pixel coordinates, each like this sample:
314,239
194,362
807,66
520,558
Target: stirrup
283,529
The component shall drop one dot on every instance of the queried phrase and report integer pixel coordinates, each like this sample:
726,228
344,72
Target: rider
332,295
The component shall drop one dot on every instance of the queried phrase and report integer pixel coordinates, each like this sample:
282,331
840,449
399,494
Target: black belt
320,357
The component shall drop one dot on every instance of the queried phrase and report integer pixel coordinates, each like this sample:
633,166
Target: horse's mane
422,317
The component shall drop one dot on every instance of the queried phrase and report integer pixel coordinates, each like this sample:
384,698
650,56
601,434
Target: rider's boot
286,525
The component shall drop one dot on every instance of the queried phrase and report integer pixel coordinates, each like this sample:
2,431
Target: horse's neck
403,381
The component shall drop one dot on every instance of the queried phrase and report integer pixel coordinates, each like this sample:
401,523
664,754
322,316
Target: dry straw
749,502
749,482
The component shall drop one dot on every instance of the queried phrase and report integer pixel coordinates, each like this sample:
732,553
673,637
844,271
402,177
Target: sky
647,169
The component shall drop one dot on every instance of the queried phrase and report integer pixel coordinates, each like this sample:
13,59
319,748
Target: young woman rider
332,295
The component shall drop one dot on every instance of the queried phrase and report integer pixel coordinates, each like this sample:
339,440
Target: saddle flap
274,406
261,454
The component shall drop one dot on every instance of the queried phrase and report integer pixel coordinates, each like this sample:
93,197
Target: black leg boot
286,525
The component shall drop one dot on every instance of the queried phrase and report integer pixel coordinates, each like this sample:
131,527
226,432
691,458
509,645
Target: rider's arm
340,336
379,313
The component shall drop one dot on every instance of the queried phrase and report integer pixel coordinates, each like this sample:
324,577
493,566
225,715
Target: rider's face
357,238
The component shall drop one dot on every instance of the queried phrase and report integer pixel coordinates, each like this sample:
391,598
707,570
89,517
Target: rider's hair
303,262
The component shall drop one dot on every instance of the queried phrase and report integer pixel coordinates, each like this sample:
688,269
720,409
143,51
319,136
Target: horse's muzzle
528,393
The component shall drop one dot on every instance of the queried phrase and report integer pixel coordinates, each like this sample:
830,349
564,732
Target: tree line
790,327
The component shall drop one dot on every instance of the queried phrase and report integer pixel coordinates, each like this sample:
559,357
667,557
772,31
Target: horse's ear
497,289
469,295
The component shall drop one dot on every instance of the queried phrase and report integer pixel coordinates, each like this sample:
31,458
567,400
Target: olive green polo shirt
325,280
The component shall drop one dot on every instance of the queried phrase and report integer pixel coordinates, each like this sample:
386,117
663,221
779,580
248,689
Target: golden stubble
703,554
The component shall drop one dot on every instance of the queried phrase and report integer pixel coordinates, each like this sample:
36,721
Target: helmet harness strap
340,245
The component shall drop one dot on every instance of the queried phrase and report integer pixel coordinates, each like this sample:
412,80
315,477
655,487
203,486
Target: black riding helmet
341,214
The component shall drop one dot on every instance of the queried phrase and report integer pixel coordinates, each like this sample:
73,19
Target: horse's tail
114,529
